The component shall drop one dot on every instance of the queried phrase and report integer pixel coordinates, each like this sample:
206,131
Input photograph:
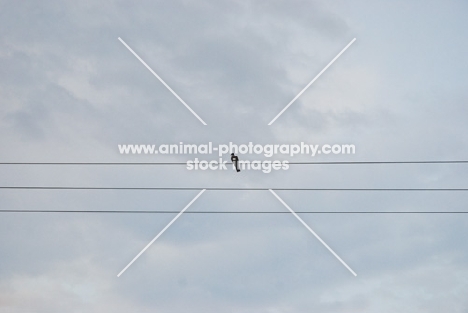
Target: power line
185,163
226,189
230,212
94,163
380,162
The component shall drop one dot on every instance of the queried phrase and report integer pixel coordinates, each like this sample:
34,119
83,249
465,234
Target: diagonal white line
313,233
161,232
313,80
162,81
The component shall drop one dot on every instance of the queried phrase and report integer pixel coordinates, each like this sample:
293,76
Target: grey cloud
71,92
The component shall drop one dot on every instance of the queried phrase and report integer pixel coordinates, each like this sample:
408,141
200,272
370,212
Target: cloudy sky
71,92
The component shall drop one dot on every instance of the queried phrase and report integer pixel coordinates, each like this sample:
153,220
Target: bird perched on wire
235,161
